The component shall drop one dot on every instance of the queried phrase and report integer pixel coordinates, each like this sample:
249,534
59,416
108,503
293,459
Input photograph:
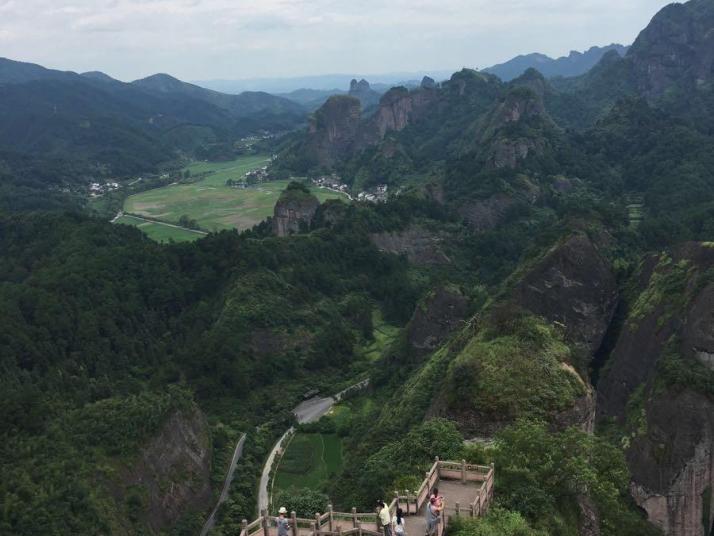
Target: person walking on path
398,523
282,523
385,518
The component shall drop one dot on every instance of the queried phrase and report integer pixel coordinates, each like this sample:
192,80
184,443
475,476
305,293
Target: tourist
385,518
433,515
439,498
398,523
282,523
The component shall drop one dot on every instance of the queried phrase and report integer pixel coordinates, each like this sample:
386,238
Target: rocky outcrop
518,127
435,319
363,91
333,130
486,214
676,50
173,470
398,108
294,211
421,247
572,285
650,390
672,463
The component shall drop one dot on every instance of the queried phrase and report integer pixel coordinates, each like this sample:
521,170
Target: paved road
308,411
237,453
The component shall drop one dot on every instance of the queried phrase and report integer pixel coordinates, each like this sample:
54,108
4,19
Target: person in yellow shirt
385,518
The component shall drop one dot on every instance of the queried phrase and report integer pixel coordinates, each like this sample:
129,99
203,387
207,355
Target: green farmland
210,202
160,232
309,462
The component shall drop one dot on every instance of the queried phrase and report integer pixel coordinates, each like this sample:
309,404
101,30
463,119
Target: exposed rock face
398,108
573,285
698,333
676,49
435,320
486,214
333,130
508,144
174,470
428,83
294,211
421,247
670,424
673,464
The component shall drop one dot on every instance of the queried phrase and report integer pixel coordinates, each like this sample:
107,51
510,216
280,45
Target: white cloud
248,38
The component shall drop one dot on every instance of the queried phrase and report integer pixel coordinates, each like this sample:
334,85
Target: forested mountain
115,129
574,64
545,254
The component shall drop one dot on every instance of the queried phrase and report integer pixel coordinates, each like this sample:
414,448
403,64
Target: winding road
306,412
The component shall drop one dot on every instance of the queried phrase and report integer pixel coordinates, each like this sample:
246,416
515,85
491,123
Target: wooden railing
333,523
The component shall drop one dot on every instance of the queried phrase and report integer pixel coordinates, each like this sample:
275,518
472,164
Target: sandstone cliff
676,50
294,211
173,470
659,390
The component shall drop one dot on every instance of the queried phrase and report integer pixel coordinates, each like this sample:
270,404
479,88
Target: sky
242,39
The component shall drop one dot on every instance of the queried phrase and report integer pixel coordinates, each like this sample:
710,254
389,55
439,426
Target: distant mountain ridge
125,128
574,64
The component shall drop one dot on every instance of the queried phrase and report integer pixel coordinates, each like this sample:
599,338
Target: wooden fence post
458,509
293,522
244,527
354,518
317,522
358,525
463,471
330,520
266,522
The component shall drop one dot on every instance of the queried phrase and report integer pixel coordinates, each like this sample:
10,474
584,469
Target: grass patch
384,335
210,202
158,231
309,462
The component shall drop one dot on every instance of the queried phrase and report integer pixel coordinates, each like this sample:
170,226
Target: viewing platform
467,490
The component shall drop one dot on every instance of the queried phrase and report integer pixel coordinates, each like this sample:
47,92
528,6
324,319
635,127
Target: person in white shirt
398,523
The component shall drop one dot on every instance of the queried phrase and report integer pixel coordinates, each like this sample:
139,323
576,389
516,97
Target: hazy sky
204,39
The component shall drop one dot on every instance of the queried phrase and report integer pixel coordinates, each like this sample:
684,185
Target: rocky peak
295,210
358,87
428,83
333,129
364,92
676,50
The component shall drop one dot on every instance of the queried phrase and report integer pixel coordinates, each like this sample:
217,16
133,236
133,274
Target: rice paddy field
210,202
309,461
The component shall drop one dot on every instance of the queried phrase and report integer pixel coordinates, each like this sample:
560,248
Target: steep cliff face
333,130
517,128
421,246
399,107
574,286
363,91
530,353
659,390
435,319
676,50
294,211
173,470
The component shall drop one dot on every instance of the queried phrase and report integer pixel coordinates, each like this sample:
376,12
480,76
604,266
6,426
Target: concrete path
237,453
311,410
